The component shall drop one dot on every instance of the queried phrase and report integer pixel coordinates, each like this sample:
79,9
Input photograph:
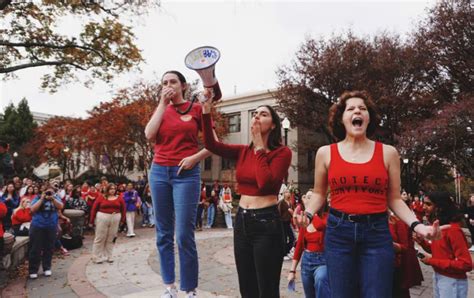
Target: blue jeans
228,219
211,214
147,213
175,200
314,275
359,257
448,287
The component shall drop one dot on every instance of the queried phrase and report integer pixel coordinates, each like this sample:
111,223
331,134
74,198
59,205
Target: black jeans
259,247
289,236
41,248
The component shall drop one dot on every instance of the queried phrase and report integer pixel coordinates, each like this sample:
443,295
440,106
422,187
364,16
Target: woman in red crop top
174,179
449,256
260,170
107,213
364,179
310,245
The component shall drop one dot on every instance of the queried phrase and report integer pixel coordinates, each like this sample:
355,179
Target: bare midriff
257,202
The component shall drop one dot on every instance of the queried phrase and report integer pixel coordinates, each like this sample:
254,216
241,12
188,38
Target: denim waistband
358,217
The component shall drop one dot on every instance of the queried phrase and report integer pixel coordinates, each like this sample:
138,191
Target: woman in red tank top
363,177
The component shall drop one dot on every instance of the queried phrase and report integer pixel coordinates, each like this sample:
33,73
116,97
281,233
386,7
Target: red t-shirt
450,254
358,188
177,136
21,216
312,241
257,174
108,206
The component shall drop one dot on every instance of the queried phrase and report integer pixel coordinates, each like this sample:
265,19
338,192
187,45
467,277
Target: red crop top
358,188
312,241
257,174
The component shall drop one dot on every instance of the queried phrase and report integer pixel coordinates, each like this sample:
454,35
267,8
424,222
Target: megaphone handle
216,90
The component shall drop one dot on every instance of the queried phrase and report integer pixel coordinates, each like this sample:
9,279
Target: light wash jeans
314,275
148,216
228,219
211,215
448,287
175,198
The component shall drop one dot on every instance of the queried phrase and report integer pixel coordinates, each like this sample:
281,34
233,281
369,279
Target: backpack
73,243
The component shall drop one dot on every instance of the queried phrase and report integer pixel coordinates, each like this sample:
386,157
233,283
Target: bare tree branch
38,64
45,45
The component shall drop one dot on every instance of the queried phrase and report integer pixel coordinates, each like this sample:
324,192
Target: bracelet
413,225
309,216
292,271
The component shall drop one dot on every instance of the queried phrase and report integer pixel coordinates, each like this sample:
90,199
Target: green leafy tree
34,36
17,129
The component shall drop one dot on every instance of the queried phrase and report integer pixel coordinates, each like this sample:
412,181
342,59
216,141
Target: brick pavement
135,273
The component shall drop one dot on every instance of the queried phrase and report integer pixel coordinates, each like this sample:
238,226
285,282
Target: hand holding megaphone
205,97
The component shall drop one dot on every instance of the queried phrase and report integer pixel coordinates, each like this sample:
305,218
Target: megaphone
203,60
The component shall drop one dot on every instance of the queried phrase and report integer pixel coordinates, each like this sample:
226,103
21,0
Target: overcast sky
254,37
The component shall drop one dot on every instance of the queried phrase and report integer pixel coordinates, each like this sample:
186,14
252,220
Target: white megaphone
203,61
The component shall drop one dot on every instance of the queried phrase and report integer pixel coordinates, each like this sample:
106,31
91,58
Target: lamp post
286,126
407,174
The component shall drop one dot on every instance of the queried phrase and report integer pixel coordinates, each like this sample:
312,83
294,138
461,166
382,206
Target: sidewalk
136,273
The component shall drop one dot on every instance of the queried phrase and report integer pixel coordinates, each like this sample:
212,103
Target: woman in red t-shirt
21,217
174,179
449,256
260,169
364,180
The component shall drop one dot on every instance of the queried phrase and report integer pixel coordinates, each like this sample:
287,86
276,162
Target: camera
49,193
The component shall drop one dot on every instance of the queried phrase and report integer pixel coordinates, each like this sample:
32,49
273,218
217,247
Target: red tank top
358,188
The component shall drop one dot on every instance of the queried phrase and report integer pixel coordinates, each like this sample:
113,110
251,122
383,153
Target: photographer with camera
44,209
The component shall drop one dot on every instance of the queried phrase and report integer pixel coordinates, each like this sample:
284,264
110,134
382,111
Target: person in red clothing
21,218
449,256
364,180
29,193
174,180
3,213
407,269
107,213
310,245
417,207
260,169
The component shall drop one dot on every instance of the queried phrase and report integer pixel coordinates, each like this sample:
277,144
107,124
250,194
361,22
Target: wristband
292,271
309,216
414,224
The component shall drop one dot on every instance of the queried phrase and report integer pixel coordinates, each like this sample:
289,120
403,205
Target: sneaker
191,294
67,236
133,235
110,260
170,293
129,235
64,251
151,225
33,276
286,258
48,273
143,225
472,248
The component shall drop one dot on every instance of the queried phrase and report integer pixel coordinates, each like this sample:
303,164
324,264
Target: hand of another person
291,276
426,258
207,105
432,232
299,218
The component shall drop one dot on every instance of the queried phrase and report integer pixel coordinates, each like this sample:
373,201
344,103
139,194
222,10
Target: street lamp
286,125
407,174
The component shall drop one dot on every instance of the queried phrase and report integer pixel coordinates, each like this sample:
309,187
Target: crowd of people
353,233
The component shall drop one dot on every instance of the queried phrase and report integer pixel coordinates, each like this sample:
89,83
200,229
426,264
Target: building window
141,163
208,163
228,164
130,164
234,122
